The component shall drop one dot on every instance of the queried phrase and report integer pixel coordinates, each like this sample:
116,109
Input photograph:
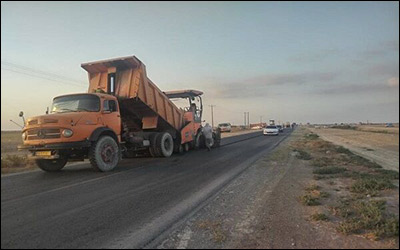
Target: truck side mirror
21,114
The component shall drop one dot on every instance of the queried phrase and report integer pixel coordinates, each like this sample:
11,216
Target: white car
225,127
271,130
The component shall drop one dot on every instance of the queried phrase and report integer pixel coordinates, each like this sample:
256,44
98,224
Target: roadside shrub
361,161
324,194
329,170
312,188
311,136
319,217
345,127
343,209
370,217
309,200
343,150
389,174
303,155
322,162
322,177
13,161
371,185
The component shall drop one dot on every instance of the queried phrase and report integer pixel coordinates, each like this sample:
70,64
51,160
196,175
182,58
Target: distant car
389,125
280,128
225,127
271,130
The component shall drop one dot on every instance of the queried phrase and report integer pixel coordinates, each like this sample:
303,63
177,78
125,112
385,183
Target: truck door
111,116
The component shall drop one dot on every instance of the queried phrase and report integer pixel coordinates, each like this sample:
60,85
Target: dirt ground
262,209
383,148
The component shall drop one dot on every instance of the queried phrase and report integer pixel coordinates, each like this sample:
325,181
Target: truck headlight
67,133
24,136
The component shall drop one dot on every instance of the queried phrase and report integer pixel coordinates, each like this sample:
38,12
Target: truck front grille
33,122
44,133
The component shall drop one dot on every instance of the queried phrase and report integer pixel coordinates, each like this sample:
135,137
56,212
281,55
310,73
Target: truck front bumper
56,146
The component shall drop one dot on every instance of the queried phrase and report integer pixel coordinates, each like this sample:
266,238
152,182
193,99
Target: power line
35,71
46,78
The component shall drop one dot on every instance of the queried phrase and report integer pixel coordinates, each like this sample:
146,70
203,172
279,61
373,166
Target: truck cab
74,123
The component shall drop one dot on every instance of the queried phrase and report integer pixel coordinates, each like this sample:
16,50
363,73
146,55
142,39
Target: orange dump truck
124,114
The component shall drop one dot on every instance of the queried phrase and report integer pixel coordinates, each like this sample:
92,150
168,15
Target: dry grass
357,180
215,228
319,217
369,217
303,155
15,163
9,141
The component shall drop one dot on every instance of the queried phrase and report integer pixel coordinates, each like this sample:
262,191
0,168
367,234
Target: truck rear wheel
165,144
104,154
153,145
51,165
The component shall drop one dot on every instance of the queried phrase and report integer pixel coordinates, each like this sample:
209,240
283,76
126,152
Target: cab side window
110,105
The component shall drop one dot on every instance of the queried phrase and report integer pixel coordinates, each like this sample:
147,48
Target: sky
317,62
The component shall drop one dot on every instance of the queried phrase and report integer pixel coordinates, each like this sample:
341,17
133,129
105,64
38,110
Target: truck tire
165,145
51,165
153,145
104,154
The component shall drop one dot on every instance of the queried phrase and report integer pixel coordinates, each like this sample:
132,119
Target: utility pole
248,119
245,119
212,114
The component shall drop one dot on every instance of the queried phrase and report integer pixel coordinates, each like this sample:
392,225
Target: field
9,141
13,160
376,143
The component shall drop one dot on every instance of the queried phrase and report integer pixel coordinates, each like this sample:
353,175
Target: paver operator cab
124,114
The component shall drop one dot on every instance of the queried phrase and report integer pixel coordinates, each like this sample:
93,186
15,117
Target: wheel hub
107,153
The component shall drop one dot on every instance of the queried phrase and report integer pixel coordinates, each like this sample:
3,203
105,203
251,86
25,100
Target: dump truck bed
143,104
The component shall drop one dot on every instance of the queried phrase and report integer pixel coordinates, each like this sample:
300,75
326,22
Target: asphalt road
129,208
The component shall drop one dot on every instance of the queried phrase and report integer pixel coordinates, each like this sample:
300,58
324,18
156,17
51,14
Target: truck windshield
76,103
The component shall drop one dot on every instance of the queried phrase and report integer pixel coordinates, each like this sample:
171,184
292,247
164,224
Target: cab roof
101,95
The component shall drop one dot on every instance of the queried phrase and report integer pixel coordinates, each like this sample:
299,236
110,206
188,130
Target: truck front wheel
104,154
51,165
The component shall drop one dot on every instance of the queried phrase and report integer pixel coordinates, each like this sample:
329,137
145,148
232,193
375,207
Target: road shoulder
261,209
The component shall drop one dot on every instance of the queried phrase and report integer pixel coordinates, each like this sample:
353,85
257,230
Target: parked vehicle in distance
225,127
280,128
389,125
271,130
